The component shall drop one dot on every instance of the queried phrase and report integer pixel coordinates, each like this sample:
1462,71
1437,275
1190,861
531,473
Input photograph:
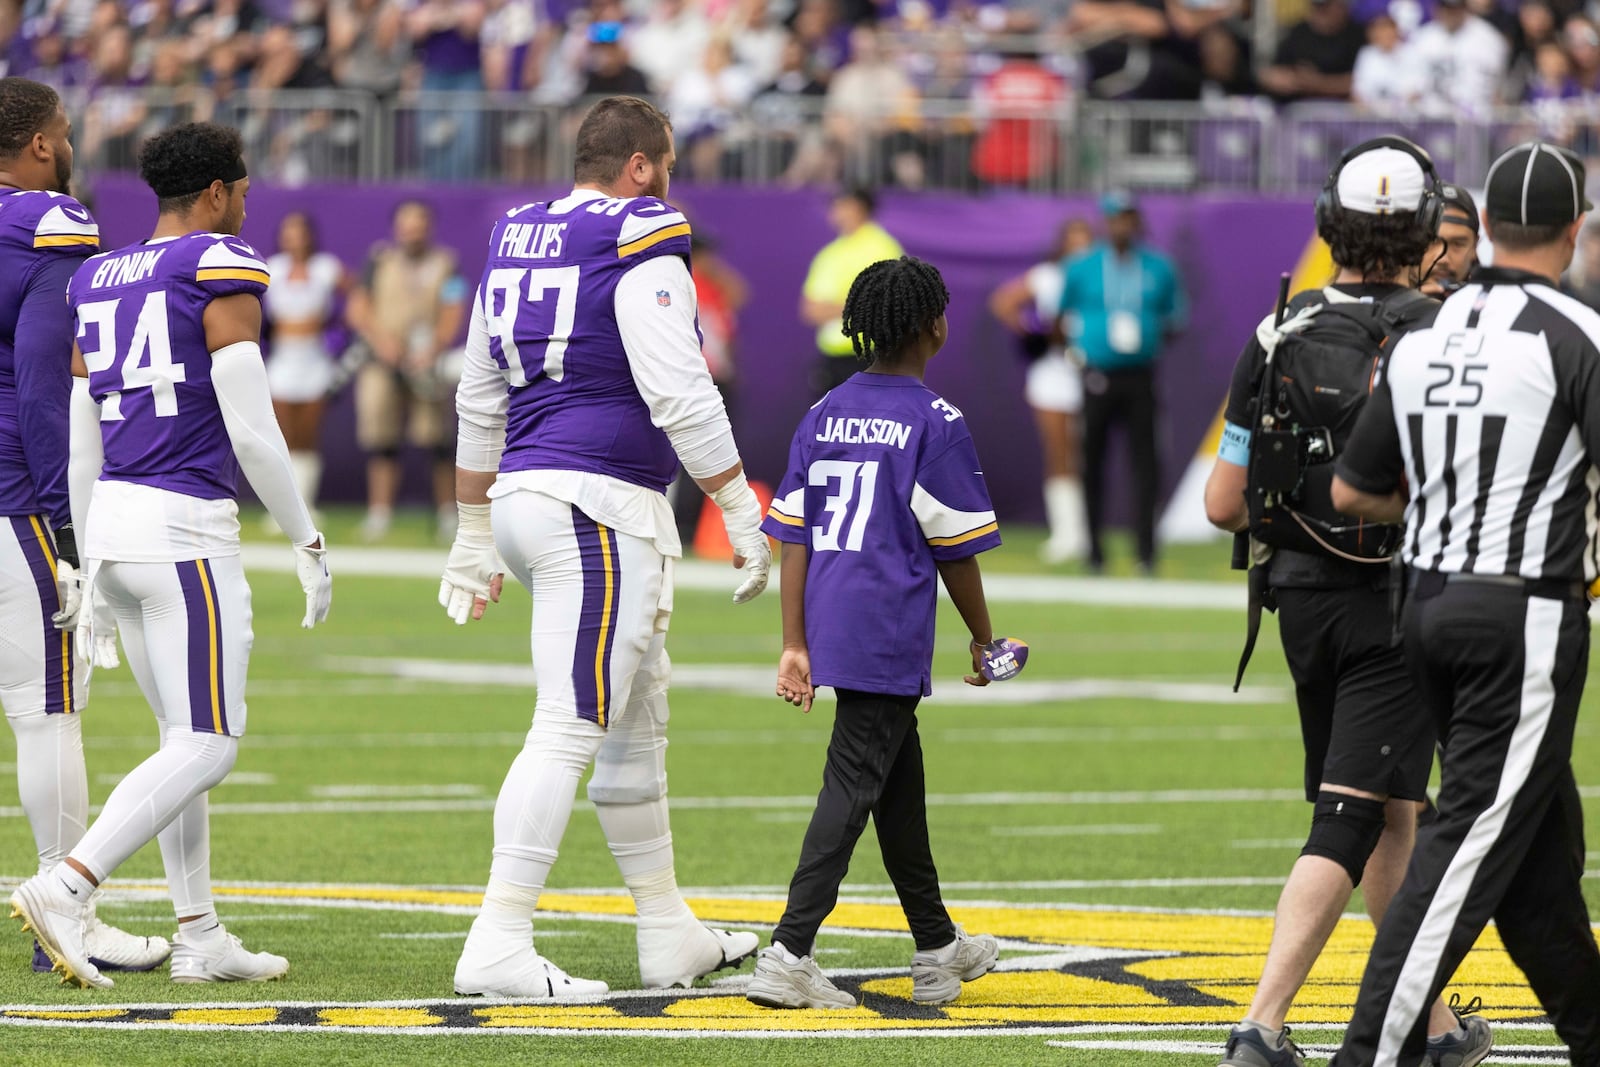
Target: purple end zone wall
1229,252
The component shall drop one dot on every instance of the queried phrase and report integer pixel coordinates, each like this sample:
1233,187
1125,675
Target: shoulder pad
229,259
62,222
651,226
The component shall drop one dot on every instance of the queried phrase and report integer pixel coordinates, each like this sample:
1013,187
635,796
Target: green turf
314,725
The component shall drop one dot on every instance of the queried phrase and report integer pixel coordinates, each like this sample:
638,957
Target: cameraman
1368,748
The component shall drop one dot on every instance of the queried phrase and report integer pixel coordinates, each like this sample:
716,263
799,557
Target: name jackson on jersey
864,432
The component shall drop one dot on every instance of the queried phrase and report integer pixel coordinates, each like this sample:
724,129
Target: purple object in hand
1004,658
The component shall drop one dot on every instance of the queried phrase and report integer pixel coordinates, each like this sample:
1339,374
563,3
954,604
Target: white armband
668,367
481,402
239,379
86,455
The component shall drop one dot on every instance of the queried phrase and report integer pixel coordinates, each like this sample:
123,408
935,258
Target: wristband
473,524
67,545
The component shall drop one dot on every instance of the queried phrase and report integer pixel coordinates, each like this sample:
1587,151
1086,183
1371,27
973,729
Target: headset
1430,210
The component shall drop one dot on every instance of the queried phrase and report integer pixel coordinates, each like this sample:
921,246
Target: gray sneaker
1461,1050
777,984
933,982
1248,1047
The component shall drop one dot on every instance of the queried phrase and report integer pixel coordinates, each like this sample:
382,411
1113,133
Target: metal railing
1238,145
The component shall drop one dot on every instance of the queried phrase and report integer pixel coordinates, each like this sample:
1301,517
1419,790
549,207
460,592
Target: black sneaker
1462,1049
1247,1048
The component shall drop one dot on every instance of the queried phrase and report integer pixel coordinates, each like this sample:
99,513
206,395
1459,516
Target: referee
1491,415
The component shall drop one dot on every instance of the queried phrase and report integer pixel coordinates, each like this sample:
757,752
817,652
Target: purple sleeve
44,381
952,503
786,518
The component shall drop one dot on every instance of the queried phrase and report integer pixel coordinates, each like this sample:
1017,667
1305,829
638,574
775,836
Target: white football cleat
111,949
221,957
523,973
58,915
674,952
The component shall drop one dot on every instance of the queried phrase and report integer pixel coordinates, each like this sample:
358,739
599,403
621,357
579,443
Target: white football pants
186,635
42,686
601,603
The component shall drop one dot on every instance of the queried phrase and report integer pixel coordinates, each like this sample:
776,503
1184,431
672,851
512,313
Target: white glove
69,590
311,564
96,636
472,573
741,517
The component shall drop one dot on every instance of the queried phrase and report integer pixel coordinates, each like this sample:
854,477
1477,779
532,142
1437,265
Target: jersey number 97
529,312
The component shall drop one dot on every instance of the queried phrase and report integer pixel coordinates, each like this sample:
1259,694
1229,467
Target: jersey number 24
146,362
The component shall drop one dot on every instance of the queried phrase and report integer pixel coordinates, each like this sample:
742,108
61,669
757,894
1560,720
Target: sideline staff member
860,244
1500,402
1120,302
1368,753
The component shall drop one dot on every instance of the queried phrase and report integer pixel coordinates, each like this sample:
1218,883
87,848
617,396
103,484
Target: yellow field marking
225,1016
378,1017
1155,966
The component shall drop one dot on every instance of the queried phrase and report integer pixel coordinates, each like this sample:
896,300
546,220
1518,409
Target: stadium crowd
929,86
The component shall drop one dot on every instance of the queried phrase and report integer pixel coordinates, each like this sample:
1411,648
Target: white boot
494,966
674,952
1063,507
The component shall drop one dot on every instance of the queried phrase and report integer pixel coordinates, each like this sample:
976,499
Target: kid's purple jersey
43,238
883,483
548,297
140,315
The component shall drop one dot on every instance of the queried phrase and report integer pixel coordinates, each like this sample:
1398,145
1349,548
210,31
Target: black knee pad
1345,829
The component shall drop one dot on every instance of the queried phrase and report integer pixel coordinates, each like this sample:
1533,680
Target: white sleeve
239,378
655,309
481,401
86,455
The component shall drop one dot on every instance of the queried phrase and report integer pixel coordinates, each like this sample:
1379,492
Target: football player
44,235
583,389
170,403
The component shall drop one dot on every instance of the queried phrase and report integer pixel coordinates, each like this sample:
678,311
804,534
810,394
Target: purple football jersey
883,483
548,295
140,319
43,237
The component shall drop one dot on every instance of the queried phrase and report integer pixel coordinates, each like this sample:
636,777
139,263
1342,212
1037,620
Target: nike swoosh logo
71,214
69,889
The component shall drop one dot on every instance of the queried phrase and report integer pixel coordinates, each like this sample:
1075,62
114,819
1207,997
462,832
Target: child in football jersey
883,497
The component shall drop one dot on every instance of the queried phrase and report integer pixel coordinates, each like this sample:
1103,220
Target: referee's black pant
1127,397
1503,672
874,767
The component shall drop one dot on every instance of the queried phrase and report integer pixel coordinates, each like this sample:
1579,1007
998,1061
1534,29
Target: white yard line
1133,829
702,576
412,791
756,681
1524,1053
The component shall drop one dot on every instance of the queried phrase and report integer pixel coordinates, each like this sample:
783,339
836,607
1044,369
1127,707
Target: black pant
1503,673
874,767
1127,397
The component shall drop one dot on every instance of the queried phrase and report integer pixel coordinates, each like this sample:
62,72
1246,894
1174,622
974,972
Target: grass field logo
1063,969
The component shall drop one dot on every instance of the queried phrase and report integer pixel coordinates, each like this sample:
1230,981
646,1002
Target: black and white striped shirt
1491,415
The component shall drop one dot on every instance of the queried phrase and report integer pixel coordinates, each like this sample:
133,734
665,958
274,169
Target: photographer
1303,378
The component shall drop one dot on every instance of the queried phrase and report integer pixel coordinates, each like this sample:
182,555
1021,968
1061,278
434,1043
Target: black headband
230,174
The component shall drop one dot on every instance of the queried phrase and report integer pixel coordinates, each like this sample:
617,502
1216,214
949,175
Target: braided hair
889,304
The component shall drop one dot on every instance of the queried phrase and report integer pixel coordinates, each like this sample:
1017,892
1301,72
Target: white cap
1382,182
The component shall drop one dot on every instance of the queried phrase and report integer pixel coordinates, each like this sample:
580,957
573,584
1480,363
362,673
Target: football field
1117,816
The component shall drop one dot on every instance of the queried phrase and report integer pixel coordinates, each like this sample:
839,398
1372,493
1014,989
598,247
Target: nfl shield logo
663,298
